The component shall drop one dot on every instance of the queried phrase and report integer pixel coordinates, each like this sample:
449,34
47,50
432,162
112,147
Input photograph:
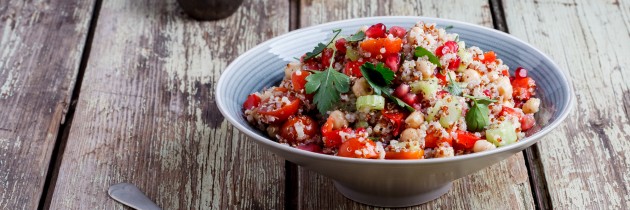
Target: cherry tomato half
283,113
298,129
358,148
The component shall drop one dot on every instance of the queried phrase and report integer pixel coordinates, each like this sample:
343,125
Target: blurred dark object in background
209,9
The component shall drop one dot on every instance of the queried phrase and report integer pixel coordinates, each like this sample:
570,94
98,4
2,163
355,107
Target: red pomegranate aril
401,91
340,44
392,62
417,106
410,98
454,64
527,122
397,31
326,55
520,72
448,47
376,31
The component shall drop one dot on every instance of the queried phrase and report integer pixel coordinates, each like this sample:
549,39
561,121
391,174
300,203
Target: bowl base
382,201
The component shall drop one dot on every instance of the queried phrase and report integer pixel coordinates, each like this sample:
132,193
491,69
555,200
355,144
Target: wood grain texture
40,51
585,161
502,186
147,114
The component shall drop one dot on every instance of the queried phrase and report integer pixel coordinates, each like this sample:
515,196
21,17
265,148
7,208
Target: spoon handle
130,195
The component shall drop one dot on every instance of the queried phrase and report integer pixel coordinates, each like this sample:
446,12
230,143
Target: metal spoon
131,196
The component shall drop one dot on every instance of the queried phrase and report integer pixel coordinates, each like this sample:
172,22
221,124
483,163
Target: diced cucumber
429,87
352,54
361,124
503,135
370,102
454,111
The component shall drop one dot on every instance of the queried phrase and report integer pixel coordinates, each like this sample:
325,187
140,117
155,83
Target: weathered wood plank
503,186
40,51
585,161
147,114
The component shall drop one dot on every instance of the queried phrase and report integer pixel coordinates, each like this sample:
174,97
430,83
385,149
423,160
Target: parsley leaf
477,116
453,87
327,86
380,77
356,37
420,51
448,27
321,46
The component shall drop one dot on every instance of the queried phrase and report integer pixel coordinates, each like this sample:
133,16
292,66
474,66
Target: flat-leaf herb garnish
380,77
327,86
420,51
321,46
356,37
477,116
453,87
448,27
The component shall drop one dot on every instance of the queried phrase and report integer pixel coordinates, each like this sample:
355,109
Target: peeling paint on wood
147,115
504,185
586,163
40,51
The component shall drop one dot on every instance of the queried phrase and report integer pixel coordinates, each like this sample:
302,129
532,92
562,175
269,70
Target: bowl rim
564,79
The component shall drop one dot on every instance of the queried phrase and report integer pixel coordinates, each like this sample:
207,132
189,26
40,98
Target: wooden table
97,92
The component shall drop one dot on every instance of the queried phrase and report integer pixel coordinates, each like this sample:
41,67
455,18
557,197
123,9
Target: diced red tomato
326,56
252,101
489,57
434,138
418,154
454,64
397,118
311,147
353,68
523,88
397,31
509,111
358,148
331,137
308,126
298,78
374,46
442,77
283,113
465,140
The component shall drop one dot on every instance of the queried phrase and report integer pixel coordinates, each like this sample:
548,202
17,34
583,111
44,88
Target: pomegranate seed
326,55
340,44
392,62
527,122
486,92
454,64
397,31
520,72
376,31
401,91
410,98
448,47
417,106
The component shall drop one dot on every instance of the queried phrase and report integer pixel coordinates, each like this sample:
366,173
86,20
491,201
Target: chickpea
424,68
471,76
444,150
410,134
483,145
505,87
338,119
413,33
415,119
291,67
531,106
273,130
361,87
493,76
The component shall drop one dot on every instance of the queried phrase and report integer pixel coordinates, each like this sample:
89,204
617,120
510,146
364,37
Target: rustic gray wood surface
585,162
502,186
146,113
40,51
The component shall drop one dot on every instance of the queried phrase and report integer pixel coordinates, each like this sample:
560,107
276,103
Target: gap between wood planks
64,129
535,169
292,178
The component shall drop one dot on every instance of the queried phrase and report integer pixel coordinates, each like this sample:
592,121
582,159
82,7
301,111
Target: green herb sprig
356,37
477,116
380,77
321,46
327,86
420,51
453,87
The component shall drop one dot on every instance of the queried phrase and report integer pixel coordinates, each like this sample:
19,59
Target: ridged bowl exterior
388,180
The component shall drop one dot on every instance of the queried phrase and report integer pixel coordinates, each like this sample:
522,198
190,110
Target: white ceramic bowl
392,183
